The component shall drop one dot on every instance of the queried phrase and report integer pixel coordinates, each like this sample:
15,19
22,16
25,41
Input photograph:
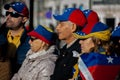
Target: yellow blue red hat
99,30
43,33
91,14
19,7
92,19
72,14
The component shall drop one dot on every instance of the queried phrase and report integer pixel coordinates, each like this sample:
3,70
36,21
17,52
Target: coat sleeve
15,77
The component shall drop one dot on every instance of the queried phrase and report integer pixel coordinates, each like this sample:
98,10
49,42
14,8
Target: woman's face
36,44
86,45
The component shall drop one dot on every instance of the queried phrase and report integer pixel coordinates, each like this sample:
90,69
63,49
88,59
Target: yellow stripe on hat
47,28
103,35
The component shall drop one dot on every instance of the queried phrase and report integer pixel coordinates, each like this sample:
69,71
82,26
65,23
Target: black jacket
65,62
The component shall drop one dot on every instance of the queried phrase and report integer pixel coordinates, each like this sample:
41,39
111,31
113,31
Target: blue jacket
22,48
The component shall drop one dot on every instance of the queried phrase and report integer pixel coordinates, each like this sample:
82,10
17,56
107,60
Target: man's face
13,19
64,30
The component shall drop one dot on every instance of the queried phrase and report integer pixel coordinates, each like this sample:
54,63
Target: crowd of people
91,50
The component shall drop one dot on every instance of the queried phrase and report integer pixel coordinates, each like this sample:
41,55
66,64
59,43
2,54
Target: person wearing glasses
16,36
40,59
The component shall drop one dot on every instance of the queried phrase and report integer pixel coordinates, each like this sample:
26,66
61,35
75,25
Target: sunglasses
32,39
13,14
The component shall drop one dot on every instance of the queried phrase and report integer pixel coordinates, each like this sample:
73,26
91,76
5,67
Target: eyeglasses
13,14
32,39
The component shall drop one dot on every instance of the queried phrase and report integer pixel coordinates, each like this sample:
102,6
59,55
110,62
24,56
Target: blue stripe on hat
99,27
42,31
65,15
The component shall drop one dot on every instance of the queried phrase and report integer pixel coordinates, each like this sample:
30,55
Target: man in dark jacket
70,21
15,34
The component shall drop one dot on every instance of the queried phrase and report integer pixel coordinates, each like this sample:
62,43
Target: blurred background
41,11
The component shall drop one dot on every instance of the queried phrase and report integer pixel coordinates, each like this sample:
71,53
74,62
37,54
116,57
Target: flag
96,66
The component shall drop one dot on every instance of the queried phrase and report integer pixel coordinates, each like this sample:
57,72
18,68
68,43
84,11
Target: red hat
92,19
72,14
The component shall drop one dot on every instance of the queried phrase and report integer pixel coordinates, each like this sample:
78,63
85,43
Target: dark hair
100,46
78,28
115,45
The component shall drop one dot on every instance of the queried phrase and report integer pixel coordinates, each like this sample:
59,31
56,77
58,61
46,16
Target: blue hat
99,30
19,7
72,14
116,32
43,33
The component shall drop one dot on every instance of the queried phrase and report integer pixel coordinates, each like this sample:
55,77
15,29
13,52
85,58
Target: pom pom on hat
72,14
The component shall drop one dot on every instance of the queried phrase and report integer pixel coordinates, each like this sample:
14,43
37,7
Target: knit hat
72,14
92,19
19,7
43,33
99,30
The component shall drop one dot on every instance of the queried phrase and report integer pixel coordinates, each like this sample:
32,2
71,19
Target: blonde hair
100,44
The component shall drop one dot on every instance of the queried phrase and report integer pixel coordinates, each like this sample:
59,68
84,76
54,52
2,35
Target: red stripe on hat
92,20
78,17
35,34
